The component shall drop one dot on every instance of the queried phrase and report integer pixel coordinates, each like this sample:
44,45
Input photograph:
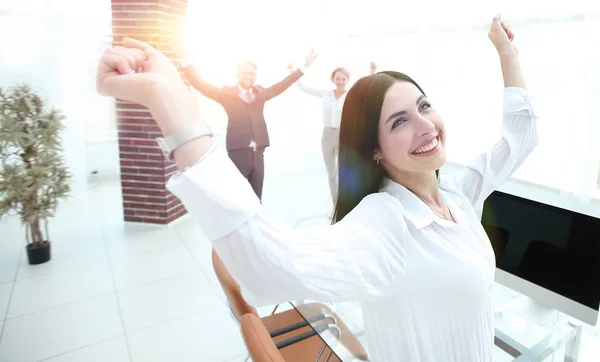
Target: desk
517,339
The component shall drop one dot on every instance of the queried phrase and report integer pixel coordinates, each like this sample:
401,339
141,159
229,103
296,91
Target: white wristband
173,141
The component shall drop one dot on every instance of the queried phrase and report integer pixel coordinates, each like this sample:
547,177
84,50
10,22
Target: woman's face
340,80
411,132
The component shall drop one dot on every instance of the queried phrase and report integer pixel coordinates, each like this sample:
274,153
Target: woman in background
333,102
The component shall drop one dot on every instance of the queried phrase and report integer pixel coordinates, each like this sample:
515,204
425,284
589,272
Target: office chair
258,341
261,347
295,338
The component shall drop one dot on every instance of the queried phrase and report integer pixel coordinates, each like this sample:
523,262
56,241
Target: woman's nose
425,126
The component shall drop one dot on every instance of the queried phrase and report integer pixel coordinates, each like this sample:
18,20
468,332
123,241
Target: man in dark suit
247,135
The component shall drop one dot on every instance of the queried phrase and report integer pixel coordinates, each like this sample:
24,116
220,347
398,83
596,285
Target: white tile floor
130,292
127,292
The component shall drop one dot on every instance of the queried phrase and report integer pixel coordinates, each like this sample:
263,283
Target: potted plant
32,174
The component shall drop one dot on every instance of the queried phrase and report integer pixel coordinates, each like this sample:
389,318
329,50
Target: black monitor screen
554,248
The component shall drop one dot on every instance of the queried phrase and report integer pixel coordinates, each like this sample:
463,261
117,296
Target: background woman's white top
424,282
332,107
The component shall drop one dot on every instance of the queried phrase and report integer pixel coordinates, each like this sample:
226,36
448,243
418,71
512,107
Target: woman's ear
377,155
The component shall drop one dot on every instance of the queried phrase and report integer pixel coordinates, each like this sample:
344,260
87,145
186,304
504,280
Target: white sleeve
489,170
355,259
309,90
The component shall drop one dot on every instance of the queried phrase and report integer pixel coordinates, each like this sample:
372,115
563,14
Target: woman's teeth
428,147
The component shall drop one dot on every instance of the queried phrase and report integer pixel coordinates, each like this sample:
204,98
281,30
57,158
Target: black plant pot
38,254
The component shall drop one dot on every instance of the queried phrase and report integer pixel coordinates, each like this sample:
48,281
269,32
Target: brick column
144,170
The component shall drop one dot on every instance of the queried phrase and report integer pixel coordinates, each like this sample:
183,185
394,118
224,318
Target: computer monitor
546,252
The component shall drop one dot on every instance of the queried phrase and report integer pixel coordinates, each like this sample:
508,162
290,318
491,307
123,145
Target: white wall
536,192
102,159
54,46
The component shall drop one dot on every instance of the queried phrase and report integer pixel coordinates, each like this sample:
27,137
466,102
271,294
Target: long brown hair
358,173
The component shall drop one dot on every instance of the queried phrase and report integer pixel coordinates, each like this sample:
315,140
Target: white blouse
332,107
424,283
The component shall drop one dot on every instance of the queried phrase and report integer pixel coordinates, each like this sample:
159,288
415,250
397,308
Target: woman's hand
502,37
310,58
135,72
373,68
291,68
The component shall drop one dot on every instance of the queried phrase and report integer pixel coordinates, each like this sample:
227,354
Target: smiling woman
394,248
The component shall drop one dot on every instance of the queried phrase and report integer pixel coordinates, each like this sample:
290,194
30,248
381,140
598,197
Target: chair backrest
232,290
258,341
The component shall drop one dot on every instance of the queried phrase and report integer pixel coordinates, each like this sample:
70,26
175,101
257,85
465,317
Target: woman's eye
425,106
398,122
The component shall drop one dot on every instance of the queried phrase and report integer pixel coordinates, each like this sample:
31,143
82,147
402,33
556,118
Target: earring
377,161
